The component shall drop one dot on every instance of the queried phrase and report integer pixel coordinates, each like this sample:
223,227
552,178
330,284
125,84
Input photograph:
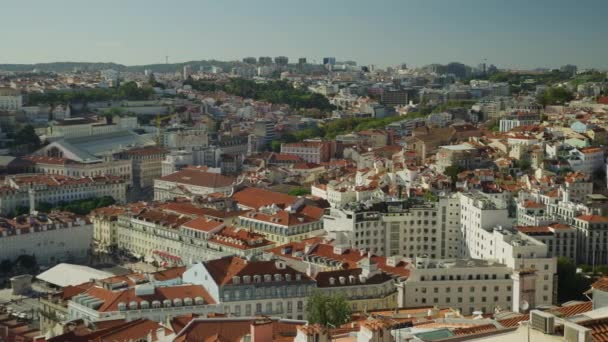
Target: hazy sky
508,33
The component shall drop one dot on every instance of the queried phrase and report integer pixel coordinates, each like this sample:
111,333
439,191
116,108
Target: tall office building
249,60
302,60
329,60
281,60
187,71
265,60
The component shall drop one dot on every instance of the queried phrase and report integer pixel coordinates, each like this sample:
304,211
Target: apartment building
402,228
310,151
248,288
560,239
464,284
294,223
174,233
71,168
592,239
157,303
147,164
52,238
485,226
27,190
10,99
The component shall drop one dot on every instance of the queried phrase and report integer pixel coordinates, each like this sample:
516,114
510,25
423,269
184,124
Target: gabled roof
199,178
223,270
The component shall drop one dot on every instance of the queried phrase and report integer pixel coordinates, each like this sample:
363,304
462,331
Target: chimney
261,330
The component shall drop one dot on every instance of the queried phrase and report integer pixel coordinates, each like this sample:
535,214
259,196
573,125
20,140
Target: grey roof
92,147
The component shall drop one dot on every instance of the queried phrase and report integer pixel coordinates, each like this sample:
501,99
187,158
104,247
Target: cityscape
307,196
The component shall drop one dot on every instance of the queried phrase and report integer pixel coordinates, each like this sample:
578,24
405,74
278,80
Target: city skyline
517,35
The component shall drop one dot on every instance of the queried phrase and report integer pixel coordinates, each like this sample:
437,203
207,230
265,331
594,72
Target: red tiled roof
257,197
224,269
573,309
204,224
199,178
112,298
593,218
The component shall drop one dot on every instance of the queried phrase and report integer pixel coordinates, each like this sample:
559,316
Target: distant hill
90,66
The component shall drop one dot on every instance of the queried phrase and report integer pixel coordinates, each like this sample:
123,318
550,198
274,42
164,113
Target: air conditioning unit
542,321
576,333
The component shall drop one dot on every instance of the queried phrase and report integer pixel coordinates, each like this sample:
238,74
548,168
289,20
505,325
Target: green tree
26,140
6,266
328,310
275,145
555,96
570,284
27,262
452,171
299,192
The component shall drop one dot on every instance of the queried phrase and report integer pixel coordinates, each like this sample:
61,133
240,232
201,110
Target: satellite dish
524,305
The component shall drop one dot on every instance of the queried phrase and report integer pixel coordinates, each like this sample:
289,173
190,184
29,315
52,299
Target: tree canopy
555,96
328,310
26,140
570,285
274,92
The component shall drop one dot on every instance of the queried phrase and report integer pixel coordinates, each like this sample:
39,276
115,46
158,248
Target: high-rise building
302,60
569,68
187,71
281,60
249,60
265,60
329,60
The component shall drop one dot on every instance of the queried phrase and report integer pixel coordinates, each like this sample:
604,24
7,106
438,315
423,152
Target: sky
508,33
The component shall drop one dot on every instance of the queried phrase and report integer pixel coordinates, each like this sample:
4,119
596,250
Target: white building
10,99
28,190
248,288
52,238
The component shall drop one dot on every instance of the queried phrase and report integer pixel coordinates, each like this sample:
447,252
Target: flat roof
64,275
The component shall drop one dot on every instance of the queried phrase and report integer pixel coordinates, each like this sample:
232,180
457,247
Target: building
29,190
51,238
72,168
281,60
85,127
191,182
310,151
486,235
399,228
465,285
147,164
395,97
246,288
513,120
588,159
465,156
149,301
592,236
329,60
294,223
10,99
264,129
560,239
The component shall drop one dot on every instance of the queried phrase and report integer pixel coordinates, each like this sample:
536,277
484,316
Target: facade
560,239
248,288
509,122
592,237
53,238
147,164
70,168
310,151
10,99
28,190
465,285
399,228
